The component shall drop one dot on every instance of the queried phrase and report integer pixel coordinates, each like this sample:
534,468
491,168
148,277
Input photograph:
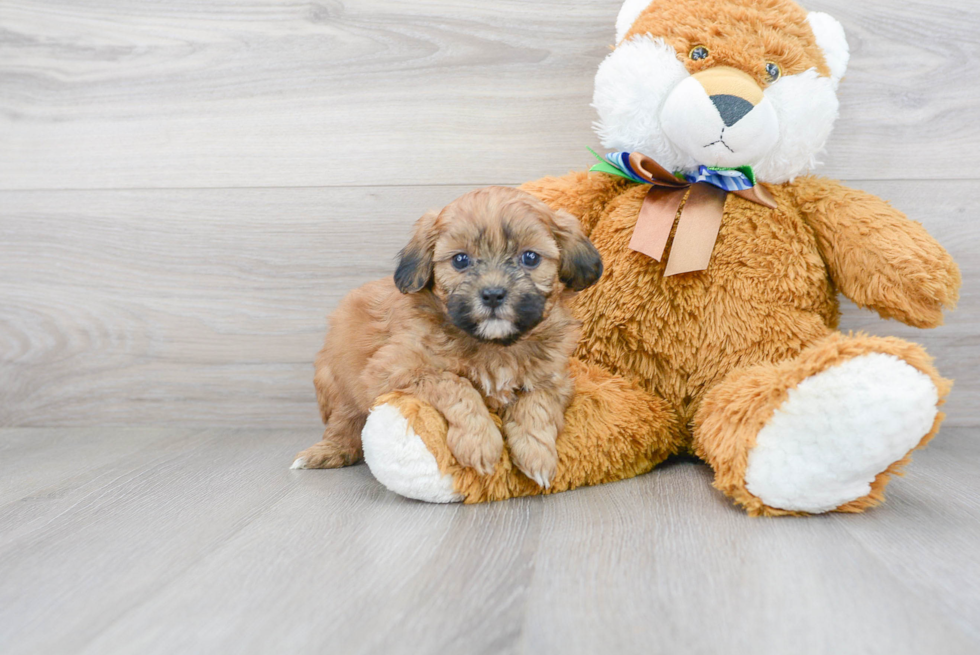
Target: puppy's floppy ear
581,264
414,270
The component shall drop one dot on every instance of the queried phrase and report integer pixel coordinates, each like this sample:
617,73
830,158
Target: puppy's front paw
535,458
476,446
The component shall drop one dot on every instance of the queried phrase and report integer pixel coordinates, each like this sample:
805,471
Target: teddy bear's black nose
732,108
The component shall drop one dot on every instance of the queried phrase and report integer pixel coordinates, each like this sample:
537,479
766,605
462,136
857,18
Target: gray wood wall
187,188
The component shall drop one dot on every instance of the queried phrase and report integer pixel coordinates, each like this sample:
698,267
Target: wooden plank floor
181,541
188,187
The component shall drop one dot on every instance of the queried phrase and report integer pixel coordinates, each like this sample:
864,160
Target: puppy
476,317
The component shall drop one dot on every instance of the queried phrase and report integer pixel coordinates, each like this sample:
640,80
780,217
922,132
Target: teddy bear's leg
613,431
824,431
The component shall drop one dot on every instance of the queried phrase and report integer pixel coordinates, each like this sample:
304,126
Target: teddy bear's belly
764,297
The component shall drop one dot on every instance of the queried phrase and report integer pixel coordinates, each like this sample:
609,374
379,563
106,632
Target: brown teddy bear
713,329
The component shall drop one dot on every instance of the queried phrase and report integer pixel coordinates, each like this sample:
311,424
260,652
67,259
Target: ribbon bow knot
700,219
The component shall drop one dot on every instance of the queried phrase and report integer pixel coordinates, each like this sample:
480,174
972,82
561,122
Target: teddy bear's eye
773,71
699,52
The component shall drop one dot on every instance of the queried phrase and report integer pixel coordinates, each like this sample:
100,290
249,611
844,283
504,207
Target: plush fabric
621,431
737,410
647,100
399,459
740,364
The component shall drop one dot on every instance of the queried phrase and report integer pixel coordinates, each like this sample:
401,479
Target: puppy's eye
530,259
773,71
699,52
461,262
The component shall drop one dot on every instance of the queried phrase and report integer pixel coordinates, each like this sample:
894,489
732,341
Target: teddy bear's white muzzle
719,129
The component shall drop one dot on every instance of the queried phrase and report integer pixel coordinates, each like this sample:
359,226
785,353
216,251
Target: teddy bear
713,330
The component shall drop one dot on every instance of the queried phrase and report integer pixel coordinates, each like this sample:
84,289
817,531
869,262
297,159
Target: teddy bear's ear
628,14
831,39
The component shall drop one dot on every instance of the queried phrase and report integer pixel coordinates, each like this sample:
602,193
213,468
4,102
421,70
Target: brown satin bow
700,220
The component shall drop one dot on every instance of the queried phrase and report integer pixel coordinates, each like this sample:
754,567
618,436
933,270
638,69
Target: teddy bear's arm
582,194
877,256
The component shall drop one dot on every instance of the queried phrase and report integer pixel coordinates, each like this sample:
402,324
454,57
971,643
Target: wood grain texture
160,306
204,542
205,307
249,93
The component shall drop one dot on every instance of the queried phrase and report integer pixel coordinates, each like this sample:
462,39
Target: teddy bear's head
722,83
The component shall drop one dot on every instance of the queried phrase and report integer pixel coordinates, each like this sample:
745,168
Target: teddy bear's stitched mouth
721,140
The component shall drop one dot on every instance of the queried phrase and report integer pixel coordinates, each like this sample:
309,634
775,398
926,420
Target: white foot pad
400,461
838,430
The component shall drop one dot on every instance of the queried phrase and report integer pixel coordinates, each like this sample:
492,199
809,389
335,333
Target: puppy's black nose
493,296
732,108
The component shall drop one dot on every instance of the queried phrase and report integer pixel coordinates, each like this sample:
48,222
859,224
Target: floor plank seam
179,574
971,632
91,497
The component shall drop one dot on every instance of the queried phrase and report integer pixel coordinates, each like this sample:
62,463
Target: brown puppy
475,318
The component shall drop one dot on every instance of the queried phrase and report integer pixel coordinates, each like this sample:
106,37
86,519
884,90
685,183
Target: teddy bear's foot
613,431
824,431
398,457
838,430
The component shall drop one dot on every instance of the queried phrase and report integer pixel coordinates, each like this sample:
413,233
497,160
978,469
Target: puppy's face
498,259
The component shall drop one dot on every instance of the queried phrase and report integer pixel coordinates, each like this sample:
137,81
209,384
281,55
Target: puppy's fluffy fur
470,321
